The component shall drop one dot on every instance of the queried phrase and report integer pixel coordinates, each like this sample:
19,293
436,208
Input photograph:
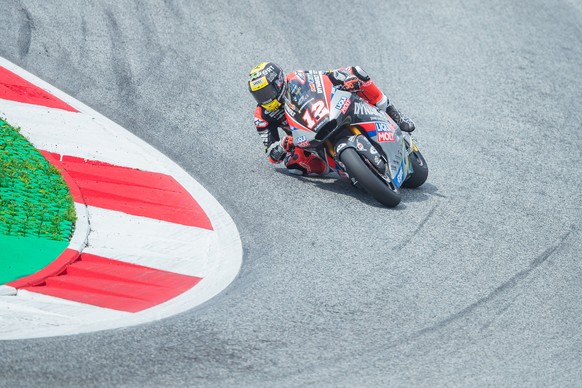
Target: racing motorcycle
355,139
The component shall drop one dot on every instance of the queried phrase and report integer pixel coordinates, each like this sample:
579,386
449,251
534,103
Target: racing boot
404,122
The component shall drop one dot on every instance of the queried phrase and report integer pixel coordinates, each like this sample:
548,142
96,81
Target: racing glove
352,84
344,80
287,142
277,151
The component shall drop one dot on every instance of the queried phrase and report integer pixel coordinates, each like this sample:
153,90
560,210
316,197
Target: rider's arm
355,79
268,130
361,84
338,76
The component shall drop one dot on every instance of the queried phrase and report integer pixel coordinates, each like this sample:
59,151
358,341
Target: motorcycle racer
268,84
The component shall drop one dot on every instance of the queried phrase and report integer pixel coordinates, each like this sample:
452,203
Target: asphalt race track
474,280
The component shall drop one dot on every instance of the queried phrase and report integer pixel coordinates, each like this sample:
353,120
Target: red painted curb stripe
16,88
132,191
73,188
67,257
116,285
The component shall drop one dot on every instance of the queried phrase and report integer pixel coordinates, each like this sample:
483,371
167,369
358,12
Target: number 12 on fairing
319,110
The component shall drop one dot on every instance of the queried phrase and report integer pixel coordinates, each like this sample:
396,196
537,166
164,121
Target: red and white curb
150,241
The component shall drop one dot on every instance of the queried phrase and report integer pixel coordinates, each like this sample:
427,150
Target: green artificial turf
37,214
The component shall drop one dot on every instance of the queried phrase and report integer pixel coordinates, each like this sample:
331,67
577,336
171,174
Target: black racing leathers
267,124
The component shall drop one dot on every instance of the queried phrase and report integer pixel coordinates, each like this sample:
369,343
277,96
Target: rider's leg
301,162
404,122
373,95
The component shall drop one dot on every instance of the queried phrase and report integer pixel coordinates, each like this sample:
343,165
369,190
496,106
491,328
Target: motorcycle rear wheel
368,179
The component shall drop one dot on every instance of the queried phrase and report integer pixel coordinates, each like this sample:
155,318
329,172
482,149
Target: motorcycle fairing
364,147
307,104
315,109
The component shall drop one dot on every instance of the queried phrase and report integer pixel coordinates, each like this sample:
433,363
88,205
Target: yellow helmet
267,85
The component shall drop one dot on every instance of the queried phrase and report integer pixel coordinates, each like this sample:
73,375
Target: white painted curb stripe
217,255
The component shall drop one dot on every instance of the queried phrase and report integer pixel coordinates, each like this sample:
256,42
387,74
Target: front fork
410,144
329,146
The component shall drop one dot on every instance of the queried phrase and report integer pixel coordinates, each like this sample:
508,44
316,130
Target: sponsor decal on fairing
343,104
318,84
385,137
301,141
399,178
289,110
362,108
382,127
383,133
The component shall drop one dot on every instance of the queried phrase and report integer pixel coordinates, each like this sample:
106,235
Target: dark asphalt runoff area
474,280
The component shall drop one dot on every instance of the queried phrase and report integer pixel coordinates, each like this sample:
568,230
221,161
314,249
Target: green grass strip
23,256
34,198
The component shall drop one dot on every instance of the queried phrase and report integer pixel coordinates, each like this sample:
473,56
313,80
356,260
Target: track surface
474,280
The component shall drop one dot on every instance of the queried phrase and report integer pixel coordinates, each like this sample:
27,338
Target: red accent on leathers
260,121
370,92
305,161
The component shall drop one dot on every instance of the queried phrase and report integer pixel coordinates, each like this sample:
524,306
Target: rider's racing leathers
299,161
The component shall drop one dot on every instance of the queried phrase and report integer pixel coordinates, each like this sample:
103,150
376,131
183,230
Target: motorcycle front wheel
368,179
419,171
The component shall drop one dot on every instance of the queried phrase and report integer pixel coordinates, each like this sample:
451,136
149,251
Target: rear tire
368,179
419,171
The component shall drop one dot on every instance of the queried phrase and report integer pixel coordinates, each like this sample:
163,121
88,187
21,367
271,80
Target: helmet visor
265,94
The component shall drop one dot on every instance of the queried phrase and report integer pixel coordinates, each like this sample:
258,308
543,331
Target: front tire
419,171
368,179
